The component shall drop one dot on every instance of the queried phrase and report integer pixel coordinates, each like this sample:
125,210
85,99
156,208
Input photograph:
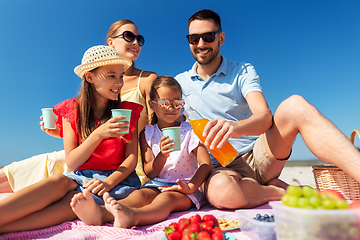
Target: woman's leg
4,183
90,213
34,198
158,210
54,214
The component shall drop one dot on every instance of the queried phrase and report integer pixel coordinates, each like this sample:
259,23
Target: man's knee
222,191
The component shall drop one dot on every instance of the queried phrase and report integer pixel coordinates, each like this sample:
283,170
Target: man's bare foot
124,217
278,183
84,206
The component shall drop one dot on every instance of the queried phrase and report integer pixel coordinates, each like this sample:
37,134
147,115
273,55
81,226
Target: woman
124,36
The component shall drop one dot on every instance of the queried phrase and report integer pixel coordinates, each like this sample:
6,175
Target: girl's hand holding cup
114,127
165,146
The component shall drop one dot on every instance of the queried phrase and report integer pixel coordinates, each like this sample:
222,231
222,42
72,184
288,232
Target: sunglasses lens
178,103
140,40
129,36
193,39
208,37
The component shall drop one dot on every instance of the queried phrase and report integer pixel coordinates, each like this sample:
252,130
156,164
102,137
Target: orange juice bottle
223,155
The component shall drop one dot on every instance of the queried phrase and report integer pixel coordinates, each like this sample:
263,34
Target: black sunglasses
129,37
208,37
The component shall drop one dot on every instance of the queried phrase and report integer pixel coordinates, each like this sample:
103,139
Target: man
229,93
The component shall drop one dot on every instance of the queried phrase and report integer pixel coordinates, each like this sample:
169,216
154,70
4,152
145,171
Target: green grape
320,207
328,203
303,202
314,201
294,190
285,199
324,196
341,204
308,191
293,201
309,207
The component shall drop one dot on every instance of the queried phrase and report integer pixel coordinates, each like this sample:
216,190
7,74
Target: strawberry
188,236
175,235
195,219
203,235
212,218
217,234
182,224
193,228
207,226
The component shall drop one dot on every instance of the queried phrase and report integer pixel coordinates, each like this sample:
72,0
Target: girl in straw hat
124,36
102,158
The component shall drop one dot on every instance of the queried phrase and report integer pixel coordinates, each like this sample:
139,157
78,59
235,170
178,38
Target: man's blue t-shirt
222,95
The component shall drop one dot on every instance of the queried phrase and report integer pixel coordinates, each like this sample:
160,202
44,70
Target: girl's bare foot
84,206
124,217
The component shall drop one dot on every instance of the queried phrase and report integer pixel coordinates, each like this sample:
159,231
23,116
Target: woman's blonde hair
116,25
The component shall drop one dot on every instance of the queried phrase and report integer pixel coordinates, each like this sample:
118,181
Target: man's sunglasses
129,37
166,103
208,37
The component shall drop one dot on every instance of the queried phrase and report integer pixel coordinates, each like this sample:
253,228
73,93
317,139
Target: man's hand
217,132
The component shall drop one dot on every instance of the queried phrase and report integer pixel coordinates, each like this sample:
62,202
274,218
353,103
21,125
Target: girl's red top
110,153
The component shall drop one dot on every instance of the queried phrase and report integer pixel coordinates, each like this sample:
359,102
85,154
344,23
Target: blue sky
311,48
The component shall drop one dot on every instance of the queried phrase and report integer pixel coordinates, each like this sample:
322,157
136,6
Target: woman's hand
181,187
97,186
112,127
51,132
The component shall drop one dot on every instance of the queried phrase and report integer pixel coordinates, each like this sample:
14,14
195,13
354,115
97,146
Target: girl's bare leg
54,214
90,213
34,198
158,210
4,183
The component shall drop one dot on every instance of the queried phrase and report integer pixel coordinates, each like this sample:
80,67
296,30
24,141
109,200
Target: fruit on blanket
182,224
195,228
355,204
310,198
331,193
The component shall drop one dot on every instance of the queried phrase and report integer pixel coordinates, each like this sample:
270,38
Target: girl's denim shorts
197,197
120,191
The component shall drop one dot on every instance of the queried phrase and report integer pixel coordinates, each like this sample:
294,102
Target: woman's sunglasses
208,37
166,103
129,37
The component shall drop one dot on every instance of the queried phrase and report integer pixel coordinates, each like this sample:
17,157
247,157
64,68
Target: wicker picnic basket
332,177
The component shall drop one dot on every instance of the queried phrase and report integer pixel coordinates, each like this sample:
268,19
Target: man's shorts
256,164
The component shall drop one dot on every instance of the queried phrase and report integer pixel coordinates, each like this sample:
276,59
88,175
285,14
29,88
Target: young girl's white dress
180,164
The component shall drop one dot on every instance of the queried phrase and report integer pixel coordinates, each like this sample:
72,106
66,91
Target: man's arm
259,122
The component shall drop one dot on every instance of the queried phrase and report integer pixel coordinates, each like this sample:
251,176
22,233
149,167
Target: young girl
176,175
104,160
124,36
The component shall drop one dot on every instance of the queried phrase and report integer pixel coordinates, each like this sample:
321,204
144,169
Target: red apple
332,193
355,204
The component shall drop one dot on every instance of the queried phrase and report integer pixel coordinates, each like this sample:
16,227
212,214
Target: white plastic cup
49,118
122,112
174,133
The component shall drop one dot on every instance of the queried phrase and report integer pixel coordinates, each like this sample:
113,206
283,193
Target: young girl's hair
162,81
116,25
86,121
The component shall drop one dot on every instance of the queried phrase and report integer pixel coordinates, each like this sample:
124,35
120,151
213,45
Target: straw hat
98,56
